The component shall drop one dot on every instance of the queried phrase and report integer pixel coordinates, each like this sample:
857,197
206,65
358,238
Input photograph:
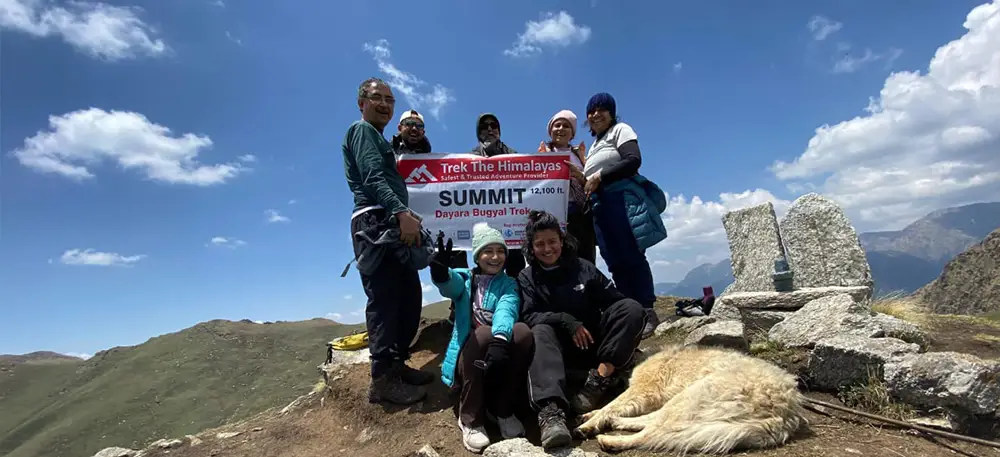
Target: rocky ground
340,421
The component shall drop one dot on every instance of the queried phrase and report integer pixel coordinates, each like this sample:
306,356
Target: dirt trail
342,422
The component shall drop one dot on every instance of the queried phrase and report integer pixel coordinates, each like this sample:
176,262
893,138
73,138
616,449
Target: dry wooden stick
932,431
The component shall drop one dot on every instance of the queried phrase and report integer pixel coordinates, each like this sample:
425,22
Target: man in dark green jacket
392,313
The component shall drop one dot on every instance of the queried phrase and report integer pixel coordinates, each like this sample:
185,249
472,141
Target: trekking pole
921,428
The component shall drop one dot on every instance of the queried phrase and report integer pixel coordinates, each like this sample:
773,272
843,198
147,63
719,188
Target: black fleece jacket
573,294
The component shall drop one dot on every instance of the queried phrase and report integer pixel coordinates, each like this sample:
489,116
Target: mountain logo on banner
420,175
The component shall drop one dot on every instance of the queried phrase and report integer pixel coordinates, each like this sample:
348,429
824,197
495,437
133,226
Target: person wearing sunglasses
412,138
488,134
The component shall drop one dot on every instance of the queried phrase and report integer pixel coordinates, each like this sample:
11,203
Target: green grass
170,386
873,396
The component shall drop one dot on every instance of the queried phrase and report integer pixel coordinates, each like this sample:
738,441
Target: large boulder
970,283
520,447
788,300
822,246
755,244
948,380
825,317
898,328
762,320
727,334
118,452
684,325
850,359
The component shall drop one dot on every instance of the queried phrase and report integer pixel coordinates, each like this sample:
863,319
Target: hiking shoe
552,421
390,388
474,438
590,394
510,427
412,375
652,321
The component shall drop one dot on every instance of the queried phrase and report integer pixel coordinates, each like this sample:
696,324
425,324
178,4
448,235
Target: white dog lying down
700,400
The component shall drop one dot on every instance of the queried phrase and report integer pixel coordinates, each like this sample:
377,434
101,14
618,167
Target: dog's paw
590,427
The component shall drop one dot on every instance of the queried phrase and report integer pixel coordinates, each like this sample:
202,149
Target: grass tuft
902,307
873,396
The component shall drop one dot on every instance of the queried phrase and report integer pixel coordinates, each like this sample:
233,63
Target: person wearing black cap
488,134
625,204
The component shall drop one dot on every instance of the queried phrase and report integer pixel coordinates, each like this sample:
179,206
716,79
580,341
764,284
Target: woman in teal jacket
489,349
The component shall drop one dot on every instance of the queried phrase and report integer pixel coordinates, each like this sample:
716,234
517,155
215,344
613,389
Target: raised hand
542,148
441,259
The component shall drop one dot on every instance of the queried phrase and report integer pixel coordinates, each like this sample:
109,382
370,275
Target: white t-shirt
603,152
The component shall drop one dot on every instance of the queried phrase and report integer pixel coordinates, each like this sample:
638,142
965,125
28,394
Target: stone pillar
822,246
754,243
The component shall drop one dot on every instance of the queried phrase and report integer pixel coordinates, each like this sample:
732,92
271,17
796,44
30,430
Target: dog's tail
712,437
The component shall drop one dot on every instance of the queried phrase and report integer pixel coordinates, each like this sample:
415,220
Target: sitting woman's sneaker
474,438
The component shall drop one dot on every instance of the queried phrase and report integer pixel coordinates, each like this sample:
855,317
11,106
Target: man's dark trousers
392,313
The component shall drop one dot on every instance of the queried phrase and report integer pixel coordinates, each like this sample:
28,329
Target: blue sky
167,163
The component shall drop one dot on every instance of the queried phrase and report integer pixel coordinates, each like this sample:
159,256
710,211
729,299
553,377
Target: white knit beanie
564,114
483,235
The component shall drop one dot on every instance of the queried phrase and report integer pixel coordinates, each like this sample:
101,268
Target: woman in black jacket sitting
578,319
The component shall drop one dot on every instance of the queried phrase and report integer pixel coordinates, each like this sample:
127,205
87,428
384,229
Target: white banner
453,192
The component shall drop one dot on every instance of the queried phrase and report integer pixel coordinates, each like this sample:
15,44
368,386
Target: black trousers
392,313
615,340
498,388
581,226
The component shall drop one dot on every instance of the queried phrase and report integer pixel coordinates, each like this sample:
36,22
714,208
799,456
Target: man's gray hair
366,85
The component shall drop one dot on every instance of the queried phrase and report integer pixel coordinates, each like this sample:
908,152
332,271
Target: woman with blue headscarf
626,205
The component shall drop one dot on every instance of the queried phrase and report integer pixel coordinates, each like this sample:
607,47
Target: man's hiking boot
412,375
391,388
552,422
652,321
591,393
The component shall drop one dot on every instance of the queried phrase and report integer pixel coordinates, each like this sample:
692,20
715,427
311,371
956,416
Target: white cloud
219,3
927,141
80,139
408,84
247,158
849,63
554,30
678,67
822,27
348,297
81,355
222,241
358,312
234,39
335,316
275,216
292,201
97,29
427,287
97,258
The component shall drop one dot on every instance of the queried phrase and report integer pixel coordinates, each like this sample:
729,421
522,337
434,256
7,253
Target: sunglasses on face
490,125
378,98
414,124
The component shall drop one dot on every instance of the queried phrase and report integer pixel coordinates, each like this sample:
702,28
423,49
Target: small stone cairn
828,314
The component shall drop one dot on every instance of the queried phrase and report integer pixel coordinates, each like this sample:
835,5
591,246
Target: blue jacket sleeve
453,287
506,313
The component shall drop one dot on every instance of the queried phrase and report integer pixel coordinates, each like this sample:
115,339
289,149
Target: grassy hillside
172,385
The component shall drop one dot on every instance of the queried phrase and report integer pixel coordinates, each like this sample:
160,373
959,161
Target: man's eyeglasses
378,98
414,124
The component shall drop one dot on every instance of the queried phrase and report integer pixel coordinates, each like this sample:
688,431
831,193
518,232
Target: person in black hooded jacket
578,319
488,134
